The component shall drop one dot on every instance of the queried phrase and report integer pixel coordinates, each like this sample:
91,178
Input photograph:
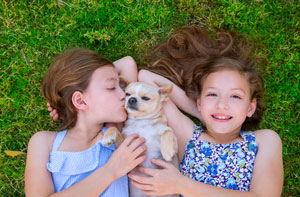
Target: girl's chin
123,117
118,118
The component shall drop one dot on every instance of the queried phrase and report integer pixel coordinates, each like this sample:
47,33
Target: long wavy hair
191,54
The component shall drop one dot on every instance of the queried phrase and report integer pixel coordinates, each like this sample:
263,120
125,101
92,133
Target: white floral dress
228,166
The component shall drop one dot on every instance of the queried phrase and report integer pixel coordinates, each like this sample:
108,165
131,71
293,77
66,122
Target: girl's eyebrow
210,88
111,79
240,89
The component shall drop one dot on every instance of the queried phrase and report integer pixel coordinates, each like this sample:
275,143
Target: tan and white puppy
146,118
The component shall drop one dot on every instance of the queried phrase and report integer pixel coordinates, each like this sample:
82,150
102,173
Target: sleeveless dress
69,168
228,166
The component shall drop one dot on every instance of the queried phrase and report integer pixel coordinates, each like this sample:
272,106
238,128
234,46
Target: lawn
33,32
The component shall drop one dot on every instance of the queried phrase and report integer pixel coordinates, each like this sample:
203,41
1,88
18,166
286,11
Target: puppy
146,118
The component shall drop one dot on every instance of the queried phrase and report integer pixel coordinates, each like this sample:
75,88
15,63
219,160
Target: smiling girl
226,157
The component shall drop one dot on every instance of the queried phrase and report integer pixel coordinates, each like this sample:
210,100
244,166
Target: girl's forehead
227,79
227,74
105,73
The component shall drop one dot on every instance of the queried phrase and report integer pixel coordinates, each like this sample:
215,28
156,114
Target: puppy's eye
127,94
145,98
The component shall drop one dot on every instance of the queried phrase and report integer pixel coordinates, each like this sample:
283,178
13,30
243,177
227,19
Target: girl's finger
136,143
55,117
139,179
129,139
149,171
142,179
160,163
52,113
142,186
149,193
140,160
137,152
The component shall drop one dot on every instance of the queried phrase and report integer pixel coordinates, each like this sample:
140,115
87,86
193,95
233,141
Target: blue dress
69,168
228,166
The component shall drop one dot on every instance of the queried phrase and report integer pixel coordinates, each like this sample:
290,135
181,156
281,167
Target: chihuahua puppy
145,117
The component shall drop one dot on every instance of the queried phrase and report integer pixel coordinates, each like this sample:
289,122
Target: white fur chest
151,130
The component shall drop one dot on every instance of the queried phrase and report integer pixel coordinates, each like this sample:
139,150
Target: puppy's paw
169,145
110,136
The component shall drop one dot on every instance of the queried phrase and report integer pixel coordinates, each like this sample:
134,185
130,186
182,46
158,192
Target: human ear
198,103
78,100
252,108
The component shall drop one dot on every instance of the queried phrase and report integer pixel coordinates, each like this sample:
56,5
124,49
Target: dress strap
248,136
197,131
58,140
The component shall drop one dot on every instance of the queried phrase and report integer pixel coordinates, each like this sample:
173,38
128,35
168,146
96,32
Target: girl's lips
221,117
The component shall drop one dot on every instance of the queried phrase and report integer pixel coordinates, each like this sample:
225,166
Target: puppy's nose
132,100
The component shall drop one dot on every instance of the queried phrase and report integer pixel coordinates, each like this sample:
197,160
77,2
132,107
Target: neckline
218,144
83,151
200,131
62,135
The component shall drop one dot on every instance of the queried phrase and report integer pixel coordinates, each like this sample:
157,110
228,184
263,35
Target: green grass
33,32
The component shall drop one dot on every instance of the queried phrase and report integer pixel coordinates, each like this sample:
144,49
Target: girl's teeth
222,117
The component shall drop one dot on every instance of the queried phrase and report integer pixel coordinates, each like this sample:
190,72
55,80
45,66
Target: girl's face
224,102
104,98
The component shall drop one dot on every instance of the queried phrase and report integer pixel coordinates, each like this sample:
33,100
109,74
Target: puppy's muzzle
132,103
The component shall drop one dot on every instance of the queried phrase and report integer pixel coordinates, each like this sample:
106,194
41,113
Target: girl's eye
236,97
112,88
211,94
127,94
145,98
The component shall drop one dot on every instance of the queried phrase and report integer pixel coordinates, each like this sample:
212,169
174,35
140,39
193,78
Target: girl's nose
121,94
222,103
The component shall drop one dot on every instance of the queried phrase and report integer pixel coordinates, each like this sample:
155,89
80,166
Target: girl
225,153
84,88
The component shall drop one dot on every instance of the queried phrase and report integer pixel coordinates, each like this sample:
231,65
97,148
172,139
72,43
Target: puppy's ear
123,83
165,91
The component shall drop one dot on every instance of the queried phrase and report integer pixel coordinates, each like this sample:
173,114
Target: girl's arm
127,68
267,177
268,167
38,180
178,96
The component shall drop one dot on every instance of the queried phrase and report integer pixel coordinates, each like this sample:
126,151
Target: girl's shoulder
267,137
42,140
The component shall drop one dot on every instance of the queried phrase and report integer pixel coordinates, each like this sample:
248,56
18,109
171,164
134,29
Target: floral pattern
224,165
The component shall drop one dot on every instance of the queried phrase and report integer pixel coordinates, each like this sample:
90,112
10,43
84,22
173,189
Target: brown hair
71,71
190,55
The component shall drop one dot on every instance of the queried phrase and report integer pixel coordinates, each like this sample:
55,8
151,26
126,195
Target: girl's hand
127,156
53,113
161,181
